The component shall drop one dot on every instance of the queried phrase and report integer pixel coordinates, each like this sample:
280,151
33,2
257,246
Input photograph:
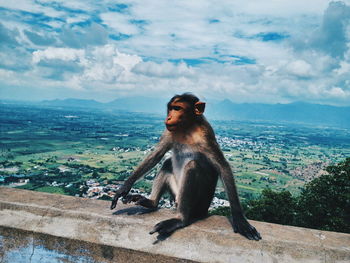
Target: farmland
89,152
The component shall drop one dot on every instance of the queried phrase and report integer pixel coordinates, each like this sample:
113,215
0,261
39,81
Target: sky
275,51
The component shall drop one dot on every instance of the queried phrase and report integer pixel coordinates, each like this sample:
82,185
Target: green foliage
28,186
73,190
95,174
105,197
274,207
144,185
222,195
121,176
325,202
221,211
51,189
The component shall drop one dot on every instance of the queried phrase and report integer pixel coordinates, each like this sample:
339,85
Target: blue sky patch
264,36
59,7
86,23
272,36
213,21
119,8
188,61
239,60
138,22
152,59
119,36
38,39
231,59
30,18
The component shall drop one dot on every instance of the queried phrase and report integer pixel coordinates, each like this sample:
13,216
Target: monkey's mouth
171,127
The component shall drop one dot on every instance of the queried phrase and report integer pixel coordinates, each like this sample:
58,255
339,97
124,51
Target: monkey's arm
146,165
239,222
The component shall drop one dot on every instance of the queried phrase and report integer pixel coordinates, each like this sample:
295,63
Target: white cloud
106,64
299,68
77,37
77,18
119,22
127,61
281,7
73,4
343,69
231,59
333,38
337,92
6,74
30,6
99,64
163,70
66,54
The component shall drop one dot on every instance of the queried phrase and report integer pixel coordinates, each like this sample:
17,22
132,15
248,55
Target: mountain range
298,112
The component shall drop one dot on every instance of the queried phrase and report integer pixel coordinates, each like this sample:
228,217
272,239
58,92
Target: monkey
190,174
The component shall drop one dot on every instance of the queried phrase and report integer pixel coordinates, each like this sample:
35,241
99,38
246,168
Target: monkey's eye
176,108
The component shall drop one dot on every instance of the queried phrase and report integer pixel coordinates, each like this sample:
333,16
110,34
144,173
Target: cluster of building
97,191
230,142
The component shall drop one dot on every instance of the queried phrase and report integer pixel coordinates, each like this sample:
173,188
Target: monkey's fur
191,173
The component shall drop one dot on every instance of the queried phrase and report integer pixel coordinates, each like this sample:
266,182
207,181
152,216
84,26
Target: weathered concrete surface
26,246
92,223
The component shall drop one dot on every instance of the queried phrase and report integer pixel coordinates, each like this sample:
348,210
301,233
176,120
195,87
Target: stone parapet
72,224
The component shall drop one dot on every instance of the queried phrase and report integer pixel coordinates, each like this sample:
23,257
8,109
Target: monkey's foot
166,227
243,227
138,200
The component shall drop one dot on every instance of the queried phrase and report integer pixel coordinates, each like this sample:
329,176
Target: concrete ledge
124,234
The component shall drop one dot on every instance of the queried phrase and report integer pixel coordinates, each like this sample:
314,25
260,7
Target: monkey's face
179,116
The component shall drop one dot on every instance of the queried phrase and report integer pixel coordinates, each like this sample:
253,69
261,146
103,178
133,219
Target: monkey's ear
199,108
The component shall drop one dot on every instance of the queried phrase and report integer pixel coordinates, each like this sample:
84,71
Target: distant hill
75,103
139,104
298,112
132,104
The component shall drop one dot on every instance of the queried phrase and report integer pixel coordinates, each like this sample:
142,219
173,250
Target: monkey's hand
122,191
242,226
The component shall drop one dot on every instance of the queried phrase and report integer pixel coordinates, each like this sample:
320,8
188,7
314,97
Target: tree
323,204
221,211
273,207
325,201
105,197
95,174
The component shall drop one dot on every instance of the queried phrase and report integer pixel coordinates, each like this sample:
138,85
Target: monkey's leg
162,181
197,188
195,191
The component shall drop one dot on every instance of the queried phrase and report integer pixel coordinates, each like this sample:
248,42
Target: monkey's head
183,111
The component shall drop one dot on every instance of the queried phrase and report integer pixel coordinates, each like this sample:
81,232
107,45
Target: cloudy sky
274,51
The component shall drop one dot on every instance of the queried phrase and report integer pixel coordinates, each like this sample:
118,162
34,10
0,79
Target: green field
59,150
